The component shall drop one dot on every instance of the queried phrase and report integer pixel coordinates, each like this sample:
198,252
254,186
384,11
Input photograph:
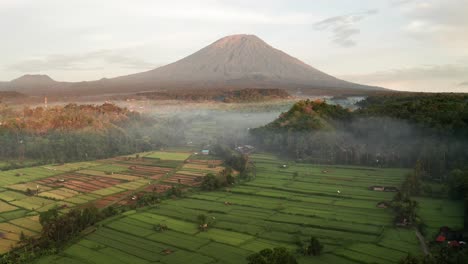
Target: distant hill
10,95
233,62
307,116
30,79
33,84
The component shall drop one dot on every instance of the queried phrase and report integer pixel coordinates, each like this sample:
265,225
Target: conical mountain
233,62
238,61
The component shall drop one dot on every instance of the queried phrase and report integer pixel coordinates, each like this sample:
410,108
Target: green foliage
210,183
272,256
110,211
458,184
57,230
48,216
161,227
446,113
152,198
405,209
174,191
388,130
312,247
205,222
439,254
409,259
83,132
308,115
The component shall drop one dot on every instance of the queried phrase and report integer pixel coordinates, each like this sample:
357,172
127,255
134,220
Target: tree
272,256
175,191
48,216
314,247
410,259
210,183
457,184
205,222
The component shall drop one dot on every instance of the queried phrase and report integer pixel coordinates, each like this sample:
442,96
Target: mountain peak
33,79
238,39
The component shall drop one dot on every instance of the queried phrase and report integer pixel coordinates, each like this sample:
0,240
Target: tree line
388,130
81,132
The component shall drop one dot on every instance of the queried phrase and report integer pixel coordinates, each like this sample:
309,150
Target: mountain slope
238,60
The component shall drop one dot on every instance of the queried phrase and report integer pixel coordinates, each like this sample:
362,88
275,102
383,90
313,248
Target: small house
205,152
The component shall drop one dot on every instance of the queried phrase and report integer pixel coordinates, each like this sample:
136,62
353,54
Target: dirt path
422,242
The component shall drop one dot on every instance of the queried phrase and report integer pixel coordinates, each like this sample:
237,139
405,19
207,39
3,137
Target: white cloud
442,20
442,78
80,62
344,27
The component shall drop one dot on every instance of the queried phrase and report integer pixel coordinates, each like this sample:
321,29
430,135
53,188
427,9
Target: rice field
24,193
179,156
282,204
279,206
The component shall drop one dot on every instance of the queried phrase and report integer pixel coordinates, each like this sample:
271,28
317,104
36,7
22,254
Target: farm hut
167,251
383,205
205,152
454,243
377,188
390,189
284,166
449,234
403,222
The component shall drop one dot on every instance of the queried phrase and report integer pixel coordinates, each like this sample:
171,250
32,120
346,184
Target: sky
412,45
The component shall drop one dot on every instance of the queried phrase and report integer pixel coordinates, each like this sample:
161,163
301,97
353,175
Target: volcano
233,62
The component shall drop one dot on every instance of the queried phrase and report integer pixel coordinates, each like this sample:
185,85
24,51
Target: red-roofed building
440,238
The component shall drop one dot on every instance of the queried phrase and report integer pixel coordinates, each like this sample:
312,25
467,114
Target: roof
454,243
440,238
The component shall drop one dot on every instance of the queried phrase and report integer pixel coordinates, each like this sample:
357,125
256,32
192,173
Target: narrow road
422,242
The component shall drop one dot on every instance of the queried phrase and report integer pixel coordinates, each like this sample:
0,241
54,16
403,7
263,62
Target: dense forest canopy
448,113
387,130
227,96
80,132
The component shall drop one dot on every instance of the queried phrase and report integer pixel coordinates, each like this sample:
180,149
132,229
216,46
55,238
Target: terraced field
101,183
279,206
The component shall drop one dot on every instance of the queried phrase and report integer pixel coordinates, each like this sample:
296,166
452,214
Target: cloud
343,27
430,78
448,71
444,20
80,62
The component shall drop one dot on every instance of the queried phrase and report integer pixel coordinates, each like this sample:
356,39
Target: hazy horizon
410,45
